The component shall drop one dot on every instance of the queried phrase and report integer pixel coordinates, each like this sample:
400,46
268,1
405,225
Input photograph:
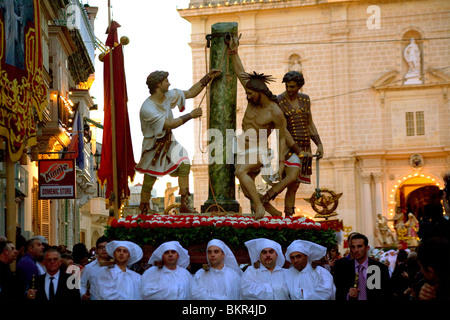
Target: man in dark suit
54,284
361,278
8,285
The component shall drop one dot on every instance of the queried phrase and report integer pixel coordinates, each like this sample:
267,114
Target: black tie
51,292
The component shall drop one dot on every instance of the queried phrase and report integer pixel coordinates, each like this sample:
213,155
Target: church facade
378,75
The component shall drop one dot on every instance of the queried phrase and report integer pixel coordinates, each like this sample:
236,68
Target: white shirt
90,273
153,116
41,268
261,284
216,284
310,284
165,284
115,284
47,283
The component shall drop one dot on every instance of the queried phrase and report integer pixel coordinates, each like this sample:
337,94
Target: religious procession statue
169,194
161,152
412,225
385,233
399,225
261,115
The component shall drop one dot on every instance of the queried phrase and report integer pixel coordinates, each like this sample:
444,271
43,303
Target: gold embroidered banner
23,94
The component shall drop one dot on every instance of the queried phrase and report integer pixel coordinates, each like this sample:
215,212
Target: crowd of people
303,271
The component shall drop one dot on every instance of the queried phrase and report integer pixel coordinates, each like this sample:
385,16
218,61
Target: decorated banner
57,178
23,94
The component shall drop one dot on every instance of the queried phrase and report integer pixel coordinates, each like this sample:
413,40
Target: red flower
242,225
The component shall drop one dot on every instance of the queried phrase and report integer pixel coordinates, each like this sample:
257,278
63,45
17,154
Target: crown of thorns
266,78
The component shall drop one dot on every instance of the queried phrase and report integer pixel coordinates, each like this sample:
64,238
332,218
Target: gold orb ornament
124,40
101,56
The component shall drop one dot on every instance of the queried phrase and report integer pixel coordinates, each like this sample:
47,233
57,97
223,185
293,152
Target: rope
206,92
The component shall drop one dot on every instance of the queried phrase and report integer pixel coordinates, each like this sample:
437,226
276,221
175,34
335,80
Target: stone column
222,116
379,208
367,221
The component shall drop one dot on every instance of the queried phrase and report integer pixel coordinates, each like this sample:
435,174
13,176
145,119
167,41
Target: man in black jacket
54,284
8,287
361,278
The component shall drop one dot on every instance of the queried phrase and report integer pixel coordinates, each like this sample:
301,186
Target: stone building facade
383,117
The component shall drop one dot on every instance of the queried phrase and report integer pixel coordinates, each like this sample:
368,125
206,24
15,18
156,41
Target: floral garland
234,230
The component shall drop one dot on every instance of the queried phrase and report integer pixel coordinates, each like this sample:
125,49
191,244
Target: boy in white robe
303,281
118,282
221,279
264,279
168,278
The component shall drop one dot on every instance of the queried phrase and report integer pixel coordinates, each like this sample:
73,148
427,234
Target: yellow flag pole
113,123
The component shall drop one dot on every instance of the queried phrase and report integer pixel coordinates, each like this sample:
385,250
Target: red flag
76,146
124,147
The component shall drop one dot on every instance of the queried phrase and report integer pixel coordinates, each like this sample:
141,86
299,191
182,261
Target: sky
159,40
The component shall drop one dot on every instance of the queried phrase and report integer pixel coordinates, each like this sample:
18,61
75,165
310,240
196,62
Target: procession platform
195,231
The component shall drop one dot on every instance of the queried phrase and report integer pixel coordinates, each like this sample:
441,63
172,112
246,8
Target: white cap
230,260
183,260
310,249
134,250
255,247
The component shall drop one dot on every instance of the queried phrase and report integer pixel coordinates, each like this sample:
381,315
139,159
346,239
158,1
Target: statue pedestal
227,205
413,80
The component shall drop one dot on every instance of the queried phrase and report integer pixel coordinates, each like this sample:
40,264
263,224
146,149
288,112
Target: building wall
354,76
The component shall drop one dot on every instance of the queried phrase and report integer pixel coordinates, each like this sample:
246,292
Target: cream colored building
384,122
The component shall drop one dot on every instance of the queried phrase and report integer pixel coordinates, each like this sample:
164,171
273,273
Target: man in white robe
161,153
221,279
88,281
118,282
303,281
264,279
168,278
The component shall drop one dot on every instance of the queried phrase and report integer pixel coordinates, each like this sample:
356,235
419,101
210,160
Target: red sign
57,179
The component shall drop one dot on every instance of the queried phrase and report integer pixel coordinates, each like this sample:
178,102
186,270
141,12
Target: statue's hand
305,154
320,151
197,112
233,43
214,73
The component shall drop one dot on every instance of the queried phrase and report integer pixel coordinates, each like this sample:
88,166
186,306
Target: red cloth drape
124,156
